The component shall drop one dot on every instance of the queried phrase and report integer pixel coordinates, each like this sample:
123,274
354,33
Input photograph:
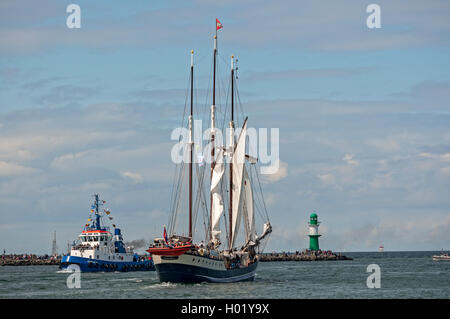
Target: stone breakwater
29,261
275,256
303,256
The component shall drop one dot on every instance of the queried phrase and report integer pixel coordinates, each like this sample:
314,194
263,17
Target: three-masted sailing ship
233,201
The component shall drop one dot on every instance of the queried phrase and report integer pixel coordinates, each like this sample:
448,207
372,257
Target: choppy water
403,275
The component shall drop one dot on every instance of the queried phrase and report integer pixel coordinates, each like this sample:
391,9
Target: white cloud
12,169
387,145
64,161
382,181
348,158
279,169
135,177
270,198
441,157
327,178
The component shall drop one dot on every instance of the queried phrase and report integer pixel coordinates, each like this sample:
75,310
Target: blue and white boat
99,250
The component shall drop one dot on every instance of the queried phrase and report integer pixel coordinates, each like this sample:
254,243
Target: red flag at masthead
218,25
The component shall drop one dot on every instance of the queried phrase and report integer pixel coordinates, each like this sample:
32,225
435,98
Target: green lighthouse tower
313,232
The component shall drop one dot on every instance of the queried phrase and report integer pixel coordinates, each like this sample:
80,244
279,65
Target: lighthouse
313,232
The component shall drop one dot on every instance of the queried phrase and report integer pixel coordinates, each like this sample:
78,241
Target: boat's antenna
191,143
231,148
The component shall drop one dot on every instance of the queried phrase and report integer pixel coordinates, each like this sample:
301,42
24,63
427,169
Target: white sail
248,208
238,161
266,231
217,203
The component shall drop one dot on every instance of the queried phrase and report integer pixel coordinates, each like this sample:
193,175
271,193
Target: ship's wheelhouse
95,238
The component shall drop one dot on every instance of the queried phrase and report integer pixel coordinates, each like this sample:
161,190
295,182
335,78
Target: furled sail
266,231
217,202
248,208
238,161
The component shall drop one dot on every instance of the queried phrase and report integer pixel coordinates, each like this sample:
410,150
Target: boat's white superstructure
100,244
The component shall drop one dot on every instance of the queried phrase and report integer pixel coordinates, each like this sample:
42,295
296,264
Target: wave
161,285
64,271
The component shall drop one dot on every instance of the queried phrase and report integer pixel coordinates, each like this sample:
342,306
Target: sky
363,115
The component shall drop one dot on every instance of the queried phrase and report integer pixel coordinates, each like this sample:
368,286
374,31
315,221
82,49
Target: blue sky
364,115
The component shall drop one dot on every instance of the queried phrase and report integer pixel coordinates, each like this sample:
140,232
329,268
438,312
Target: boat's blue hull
96,265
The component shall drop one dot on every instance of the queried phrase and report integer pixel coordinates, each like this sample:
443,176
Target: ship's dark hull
186,273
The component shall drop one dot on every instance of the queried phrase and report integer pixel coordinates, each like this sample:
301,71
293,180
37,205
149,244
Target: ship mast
213,107
191,143
231,148
97,215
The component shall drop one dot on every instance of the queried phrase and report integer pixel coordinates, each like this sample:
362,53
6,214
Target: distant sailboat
177,258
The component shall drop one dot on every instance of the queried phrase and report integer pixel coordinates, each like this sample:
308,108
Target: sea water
403,275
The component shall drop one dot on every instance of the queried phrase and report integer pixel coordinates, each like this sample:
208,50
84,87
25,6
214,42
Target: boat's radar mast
97,214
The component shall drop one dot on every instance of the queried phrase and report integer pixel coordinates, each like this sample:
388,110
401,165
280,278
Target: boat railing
82,247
